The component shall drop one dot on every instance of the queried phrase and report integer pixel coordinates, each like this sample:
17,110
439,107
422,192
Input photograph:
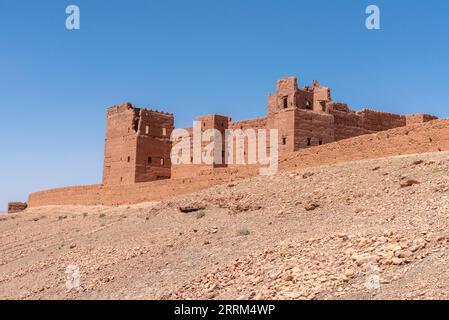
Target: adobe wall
284,121
120,145
137,145
427,137
305,118
14,207
420,138
419,118
379,121
243,149
313,129
136,193
153,146
348,123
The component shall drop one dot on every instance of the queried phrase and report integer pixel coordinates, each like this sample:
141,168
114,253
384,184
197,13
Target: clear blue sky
193,58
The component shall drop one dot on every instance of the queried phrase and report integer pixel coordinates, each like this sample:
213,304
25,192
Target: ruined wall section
207,122
215,122
14,207
380,121
427,137
419,118
312,129
120,145
284,122
321,97
249,140
153,146
287,96
348,123
137,145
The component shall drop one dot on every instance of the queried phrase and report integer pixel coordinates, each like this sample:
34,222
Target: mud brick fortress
138,145
137,164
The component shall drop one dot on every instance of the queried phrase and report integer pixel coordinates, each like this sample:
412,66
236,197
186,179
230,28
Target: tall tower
137,145
300,115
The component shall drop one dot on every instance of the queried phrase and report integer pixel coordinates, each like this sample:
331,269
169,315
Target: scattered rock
308,175
397,261
408,182
349,273
192,208
365,259
311,205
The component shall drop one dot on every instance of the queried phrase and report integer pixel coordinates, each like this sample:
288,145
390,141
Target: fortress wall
259,123
428,137
139,192
421,138
347,123
153,145
317,127
350,124
380,121
419,118
152,158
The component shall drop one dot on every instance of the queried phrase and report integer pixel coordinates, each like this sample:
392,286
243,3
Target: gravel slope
346,231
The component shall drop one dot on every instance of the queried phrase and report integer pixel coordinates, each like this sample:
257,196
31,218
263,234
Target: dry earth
372,229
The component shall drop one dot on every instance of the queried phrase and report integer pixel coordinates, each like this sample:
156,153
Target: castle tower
137,145
300,115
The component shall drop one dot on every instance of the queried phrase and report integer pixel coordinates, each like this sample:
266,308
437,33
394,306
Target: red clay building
137,146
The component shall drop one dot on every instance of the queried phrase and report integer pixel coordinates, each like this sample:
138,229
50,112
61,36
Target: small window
164,131
162,161
308,106
320,142
121,179
309,142
147,129
204,124
150,160
284,141
285,102
129,159
323,106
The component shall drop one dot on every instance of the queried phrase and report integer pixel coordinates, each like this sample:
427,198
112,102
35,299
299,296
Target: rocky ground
373,229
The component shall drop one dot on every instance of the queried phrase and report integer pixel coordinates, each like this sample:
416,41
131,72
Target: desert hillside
366,229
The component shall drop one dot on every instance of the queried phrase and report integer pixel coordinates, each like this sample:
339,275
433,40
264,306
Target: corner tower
137,145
